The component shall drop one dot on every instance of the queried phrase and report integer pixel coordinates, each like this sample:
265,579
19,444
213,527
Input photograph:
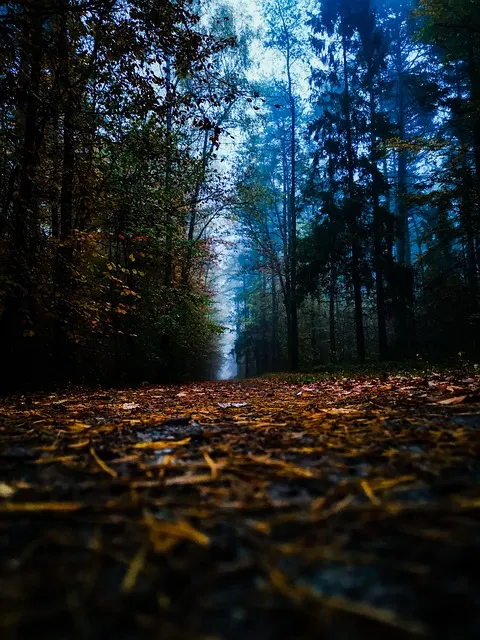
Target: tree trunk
293,253
353,213
313,330
404,279
466,208
166,341
187,267
16,325
286,246
293,304
62,347
474,71
332,316
378,231
274,356
168,277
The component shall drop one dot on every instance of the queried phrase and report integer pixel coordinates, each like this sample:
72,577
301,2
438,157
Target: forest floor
341,508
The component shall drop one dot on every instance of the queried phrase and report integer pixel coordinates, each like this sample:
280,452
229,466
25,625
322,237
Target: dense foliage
113,110
385,177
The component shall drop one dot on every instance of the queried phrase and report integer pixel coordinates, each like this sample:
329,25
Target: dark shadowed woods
326,153
291,188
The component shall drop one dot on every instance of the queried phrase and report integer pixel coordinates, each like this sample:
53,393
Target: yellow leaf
79,445
6,491
79,426
368,491
261,527
181,530
103,465
468,503
52,459
162,444
40,506
134,569
285,467
188,479
211,464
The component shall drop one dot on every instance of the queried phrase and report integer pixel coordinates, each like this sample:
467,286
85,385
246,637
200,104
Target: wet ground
344,508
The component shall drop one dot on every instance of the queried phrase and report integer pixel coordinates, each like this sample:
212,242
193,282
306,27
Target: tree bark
274,354
293,304
353,214
168,267
17,319
378,231
404,294
62,347
332,294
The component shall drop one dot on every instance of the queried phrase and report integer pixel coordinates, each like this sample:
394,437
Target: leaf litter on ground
268,508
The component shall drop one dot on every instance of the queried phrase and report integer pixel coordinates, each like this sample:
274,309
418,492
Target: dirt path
264,509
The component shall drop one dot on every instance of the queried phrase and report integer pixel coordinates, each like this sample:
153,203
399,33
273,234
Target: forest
359,193
240,319
319,161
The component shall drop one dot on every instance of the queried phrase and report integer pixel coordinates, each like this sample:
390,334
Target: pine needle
103,465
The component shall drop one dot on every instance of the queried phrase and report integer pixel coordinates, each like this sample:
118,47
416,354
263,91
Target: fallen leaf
232,405
134,569
130,405
6,491
40,506
454,400
161,444
103,465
